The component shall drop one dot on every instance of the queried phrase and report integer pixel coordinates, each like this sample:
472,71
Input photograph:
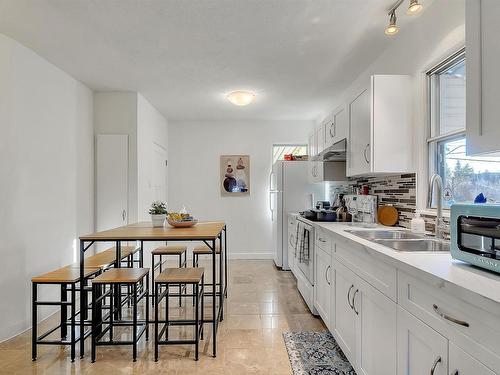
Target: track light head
414,7
392,28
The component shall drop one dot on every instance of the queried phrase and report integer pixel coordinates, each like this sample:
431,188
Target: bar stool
66,278
192,276
175,250
205,250
133,277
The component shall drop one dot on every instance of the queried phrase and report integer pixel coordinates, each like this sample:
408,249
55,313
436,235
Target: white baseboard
250,256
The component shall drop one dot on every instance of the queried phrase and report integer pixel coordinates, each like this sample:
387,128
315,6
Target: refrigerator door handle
271,205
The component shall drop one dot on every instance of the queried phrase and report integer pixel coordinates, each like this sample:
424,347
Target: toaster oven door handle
449,318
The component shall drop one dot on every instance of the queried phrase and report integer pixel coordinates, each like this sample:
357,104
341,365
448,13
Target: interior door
359,139
376,332
462,363
111,181
345,317
421,350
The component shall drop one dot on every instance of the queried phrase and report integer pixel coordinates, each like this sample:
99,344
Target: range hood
336,152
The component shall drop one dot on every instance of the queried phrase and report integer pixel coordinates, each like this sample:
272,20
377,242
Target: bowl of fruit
181,220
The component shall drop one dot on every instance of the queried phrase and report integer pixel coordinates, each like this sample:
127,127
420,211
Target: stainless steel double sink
403,240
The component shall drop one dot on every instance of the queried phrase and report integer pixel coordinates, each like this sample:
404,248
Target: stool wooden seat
204,249
169,250
66,275
121,276
180,275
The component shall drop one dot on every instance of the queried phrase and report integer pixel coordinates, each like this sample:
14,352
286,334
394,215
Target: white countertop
480,282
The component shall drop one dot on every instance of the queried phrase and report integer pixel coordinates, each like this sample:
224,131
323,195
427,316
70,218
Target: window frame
433,137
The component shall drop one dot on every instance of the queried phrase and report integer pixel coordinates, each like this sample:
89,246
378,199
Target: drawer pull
433,368
349,297
321,239
447,317
354,302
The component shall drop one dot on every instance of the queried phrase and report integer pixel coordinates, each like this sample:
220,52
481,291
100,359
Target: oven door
305,251
479,236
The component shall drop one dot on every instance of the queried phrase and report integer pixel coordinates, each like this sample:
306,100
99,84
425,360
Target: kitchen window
464,177
279,151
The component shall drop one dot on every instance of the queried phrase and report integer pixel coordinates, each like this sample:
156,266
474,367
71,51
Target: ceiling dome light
414,7
241,97
392,28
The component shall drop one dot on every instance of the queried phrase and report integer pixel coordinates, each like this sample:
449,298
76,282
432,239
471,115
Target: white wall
434,35
194,151
115,112
46,164
152,132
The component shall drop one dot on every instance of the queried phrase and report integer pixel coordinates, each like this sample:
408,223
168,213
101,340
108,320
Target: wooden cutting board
387,215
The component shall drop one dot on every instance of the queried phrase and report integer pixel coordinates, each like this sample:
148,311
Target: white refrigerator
289,191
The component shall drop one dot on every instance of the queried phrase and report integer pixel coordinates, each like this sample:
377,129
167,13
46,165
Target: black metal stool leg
34,321
73,324
180,285
157,317
64,311
94,321
166,310
196,330
202,304
147,307
134,320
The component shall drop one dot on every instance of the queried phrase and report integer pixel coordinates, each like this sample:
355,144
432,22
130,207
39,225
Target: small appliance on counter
475,234
363,208
323,212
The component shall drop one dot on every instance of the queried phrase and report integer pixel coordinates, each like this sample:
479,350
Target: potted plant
158,212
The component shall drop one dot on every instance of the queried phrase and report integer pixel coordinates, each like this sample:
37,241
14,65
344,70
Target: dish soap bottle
417,224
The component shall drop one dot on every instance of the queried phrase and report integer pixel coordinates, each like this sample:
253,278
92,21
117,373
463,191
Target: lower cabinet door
421,350
345,317
376,332
461,363
322,284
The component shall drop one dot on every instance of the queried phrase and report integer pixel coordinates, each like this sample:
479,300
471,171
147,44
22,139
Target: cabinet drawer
469,326
323,239
360,260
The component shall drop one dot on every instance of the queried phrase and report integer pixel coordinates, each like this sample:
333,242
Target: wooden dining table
208,232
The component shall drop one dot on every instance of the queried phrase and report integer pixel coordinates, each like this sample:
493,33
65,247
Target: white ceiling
184,55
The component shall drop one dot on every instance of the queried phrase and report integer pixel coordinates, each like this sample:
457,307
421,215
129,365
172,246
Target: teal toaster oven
475,234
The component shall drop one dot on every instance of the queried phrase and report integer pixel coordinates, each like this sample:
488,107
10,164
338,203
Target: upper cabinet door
311,145
359,134
483,78
320,137
336,128
461,363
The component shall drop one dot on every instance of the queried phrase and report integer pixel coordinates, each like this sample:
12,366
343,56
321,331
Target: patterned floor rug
315,353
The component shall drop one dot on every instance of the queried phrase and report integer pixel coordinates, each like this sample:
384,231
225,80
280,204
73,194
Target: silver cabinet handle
321,239
326,275
124,215
332,126
449,318
354,301
365,154
434,365
291,240
349,297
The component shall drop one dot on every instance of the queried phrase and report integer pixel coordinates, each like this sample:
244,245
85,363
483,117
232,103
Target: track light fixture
414,7
392,28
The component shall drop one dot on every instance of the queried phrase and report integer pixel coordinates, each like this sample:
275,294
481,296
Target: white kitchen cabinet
320,137
421,350
483,81
322,283
312,148
345,317
337,128
375,330
380,127
462,363
292,232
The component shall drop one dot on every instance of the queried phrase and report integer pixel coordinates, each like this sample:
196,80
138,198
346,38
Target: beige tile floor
262,303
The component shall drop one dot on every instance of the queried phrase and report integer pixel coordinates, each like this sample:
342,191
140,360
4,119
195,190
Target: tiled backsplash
400,191
397,190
